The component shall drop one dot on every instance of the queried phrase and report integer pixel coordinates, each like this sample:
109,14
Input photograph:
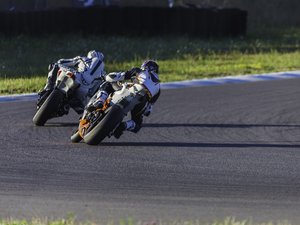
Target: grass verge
71,221
24,59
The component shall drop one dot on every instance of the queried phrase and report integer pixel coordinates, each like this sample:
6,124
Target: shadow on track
220,125
61,125
56,124
201,145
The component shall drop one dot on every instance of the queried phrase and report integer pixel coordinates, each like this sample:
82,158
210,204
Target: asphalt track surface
205,153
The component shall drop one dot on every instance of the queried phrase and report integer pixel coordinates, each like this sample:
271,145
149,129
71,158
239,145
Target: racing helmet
150,65
95,54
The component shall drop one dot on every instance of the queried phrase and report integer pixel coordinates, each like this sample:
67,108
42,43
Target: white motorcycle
94,126
57,102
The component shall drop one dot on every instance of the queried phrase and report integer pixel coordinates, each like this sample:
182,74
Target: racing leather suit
150,81
89,71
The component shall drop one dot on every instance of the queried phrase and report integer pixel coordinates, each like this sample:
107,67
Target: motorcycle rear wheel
113,117
48,108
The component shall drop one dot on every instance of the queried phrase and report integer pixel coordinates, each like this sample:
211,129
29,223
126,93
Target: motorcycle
94,126
57,102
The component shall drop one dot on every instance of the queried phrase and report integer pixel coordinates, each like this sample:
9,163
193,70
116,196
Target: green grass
72,221
24,59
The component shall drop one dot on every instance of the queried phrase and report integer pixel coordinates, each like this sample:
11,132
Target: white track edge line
187,83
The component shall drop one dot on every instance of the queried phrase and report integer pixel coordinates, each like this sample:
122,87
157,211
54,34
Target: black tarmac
205,153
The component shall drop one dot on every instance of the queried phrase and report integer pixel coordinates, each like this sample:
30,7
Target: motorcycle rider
147,75
88,71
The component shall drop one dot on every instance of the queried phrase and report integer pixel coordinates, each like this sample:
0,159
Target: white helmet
95,54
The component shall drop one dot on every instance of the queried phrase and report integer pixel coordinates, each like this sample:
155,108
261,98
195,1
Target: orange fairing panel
83,125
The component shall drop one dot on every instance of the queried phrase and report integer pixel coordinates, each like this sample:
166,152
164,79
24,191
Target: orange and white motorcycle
94,126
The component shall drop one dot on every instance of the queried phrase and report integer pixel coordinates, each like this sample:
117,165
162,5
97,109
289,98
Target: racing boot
128,125
51,79
52,76
99,102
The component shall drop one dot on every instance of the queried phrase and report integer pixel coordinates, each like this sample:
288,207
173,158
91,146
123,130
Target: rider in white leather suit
147,75
88,71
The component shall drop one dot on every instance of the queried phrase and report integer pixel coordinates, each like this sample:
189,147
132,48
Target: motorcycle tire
75,138
48,108
112,118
